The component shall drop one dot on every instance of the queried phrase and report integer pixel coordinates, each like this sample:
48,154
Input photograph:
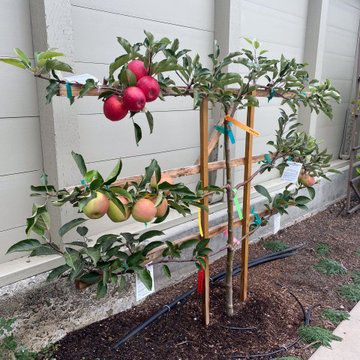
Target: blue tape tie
145,224
106,187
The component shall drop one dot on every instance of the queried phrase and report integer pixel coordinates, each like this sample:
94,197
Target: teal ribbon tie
257,218
84,183
227,132
267,160
271,95
238,208
68,90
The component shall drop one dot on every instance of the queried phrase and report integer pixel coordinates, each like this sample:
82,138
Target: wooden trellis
203,167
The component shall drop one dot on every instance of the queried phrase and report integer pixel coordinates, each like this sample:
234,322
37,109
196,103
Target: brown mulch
179,334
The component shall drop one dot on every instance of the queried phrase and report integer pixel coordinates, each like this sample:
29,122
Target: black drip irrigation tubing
218,277
286,347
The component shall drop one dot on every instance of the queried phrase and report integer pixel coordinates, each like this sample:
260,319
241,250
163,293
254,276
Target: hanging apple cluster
134,98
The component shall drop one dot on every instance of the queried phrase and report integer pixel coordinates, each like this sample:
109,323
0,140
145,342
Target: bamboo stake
246,205
204,177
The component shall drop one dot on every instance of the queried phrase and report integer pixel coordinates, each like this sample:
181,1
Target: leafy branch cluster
112,255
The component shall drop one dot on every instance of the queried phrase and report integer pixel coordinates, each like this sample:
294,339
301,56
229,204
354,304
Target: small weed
317,335
322,249
357,252
349,292
335,316
356,278
274,246
330,267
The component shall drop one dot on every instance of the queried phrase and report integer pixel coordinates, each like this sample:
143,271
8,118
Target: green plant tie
84,183
271,95
238,208
267,160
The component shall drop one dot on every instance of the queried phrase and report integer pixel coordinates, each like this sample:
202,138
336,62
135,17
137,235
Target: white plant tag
80,79
141,290
291,172
277,218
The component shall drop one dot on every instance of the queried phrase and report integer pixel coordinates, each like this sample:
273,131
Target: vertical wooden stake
204,177
246,205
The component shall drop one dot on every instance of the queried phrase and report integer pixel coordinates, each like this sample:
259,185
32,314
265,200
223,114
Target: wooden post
204,177
246,205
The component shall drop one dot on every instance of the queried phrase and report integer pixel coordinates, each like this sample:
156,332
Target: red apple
306,180
144,210
150,87
162,208
115,214
97,207
114,109
134,99
138,68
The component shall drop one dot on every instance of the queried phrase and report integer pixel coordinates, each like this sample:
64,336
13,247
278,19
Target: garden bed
270,307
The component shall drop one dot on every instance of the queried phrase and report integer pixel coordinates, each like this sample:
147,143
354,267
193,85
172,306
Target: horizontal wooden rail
184,171
75,89
213,231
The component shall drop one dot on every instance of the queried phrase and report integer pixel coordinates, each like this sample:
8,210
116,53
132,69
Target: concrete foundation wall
46,312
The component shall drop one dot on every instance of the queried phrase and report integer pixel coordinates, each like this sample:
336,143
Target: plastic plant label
291,172
277,218
242,126
141,291
80,79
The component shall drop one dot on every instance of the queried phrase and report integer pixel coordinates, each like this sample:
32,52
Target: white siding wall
338,66
280,27
20,155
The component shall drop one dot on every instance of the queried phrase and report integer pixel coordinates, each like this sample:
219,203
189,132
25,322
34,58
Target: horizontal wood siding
20,155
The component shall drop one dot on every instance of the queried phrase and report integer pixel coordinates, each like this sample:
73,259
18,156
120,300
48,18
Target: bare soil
180,334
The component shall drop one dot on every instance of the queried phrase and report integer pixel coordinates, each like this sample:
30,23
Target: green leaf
151,246
149,234
49,54
149,36
71,257
311,191
144,276
57,65
256,44
121,191
114,174
120,61
189,243
166,270
106,241
23,57
14,62
94,254
57,272
89,84
82,230
90,278
24,245
52,89
263,191
138,133
101,290
150,120
79,162
44,250
70,225
302,200
135,259
128,78
125,44
335,171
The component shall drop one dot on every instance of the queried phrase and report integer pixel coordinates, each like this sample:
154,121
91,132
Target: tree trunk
230,241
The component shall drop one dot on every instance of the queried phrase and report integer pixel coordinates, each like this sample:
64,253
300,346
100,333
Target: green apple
115,214
97,207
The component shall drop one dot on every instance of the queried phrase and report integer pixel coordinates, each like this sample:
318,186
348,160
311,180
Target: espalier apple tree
143,72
